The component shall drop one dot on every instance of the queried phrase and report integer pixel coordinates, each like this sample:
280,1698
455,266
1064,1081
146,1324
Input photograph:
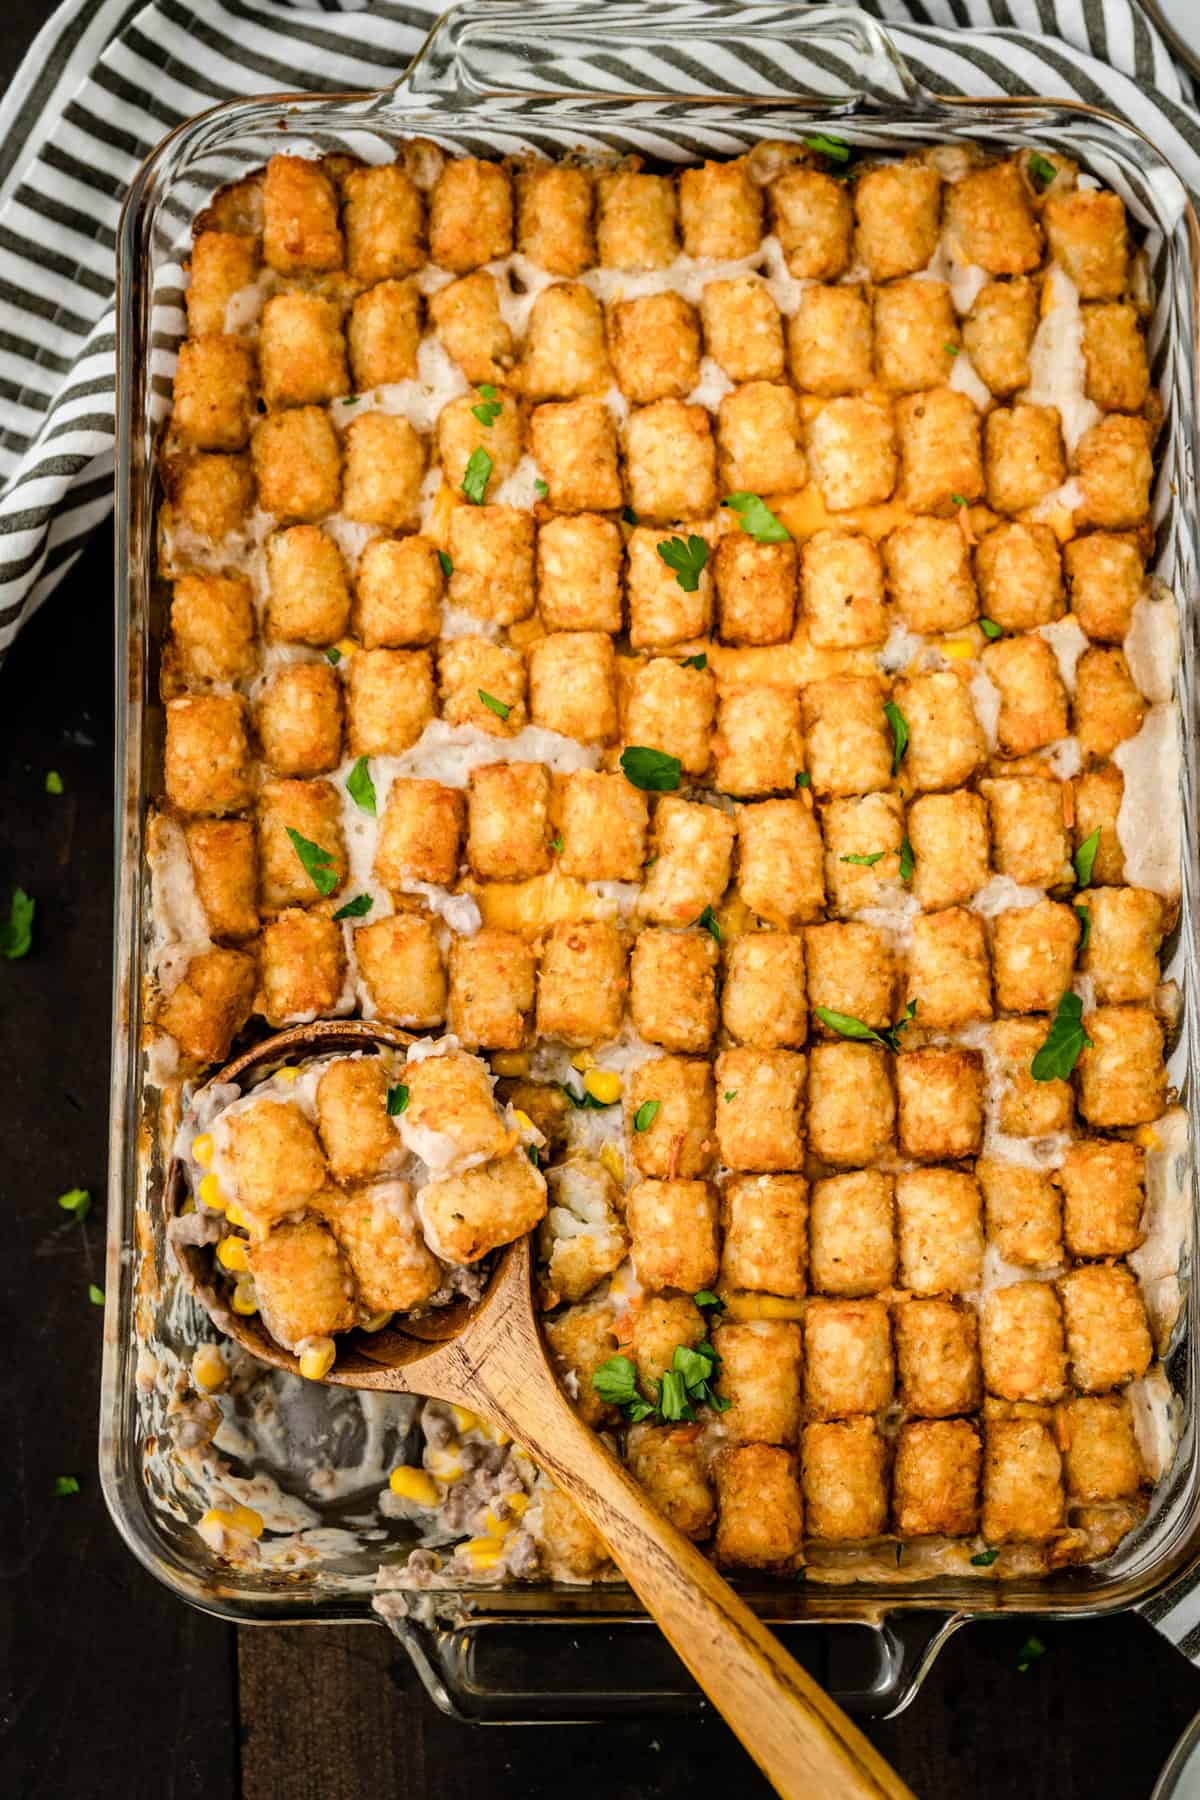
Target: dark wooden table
109,1686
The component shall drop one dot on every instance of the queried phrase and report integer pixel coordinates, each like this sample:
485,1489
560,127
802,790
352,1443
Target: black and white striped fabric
107,79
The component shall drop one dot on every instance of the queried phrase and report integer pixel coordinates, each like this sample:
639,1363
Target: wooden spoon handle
800,1738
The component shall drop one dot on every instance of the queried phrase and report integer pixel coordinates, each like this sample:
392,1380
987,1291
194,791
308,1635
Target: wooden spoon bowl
490,1359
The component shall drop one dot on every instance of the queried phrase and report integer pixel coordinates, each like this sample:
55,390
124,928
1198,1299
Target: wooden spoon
492,1361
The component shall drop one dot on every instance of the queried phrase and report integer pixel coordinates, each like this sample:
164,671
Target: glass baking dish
702,77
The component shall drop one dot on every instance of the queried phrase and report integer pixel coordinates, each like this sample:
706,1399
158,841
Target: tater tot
812,219
743,329
1114,354
756,589
1024,1213
225,870
846,736
385,463
1024,454
852,452
573,685
214,393
301,350
574,443
940,1099
1033,700
208,766
1021,1342
380,1237
212,627
1098,794
389,700
763,1233
759,1116
851,970
301,1282
582,982
1033,956
720,210
830,340
1107,706
670,462
763,1000
1020,579
848,1365
758,439
693,853
1022,1480
946,974
208,1006
998,333
603,822
302,967
298,717
210,495
400,964
508,814
759,1508
989,216
579,573
898,210
661,611
467,317
420,834
554,217
472,673
841,589
939,1230
870,829
654,342
1127,929
951,848
313,811
492,553
1100,1452
565,354
1030,842
937,1357
222,263
1088,236
383,221
673,988
852,1234
491,989
673,1469
398,588
935,1481
940,461
760,1377
300,217
275,1158
309,595
851,1106
1027,1108
929,579
467,1215
470,214
946,742
1106,578
845,1498
1115,471
463,439
675,1136
581,1338
916,335
635,220
1108,1335
1103,1187
673,1227
757,746
297,463
358,1137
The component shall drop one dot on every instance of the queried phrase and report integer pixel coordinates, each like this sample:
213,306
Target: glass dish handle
510,1671
834,57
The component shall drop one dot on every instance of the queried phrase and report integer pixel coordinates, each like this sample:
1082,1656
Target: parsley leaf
708,919
500,707
990,629
730,1094
556,844
757,519
1041,171
847,1026
358,908
804,779
629,516
985,1559
447,566
673,1396
646,1114
695,662
833,147
865,862
1085,858
397,1100
616,1381
651,770
16,933
908,861
584,1102
319,865
1084,915
1030,1651
76,1201
540,487
951,349
1064,1041
476,476
489,409
531,1151
959,500
64,1485
333,655
899,725
95,1294
706,1298
360,787
54,782
686,558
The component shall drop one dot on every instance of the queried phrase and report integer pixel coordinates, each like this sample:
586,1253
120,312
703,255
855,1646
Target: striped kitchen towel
107,79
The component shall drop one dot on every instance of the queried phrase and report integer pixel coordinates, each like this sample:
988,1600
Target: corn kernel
510,1062
208,1369
523,1119
445,1464
415,1485
496,1527
235,1215
287,1073
612,1159
234,1518
583,1059
245,1300
212,1195
345,647
376,1321
495,1432
762,1306
518,1503
959,649
202,1149
317,1358
1148,1138
231,1254
603,1085
465,1420
484,1552
437,525
188,1207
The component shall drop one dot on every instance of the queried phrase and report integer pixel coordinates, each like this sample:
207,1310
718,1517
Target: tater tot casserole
679,643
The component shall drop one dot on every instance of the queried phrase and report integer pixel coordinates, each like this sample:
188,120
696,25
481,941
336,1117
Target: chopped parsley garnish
629,516
16,933
646,1114
1084,915
397,1099
358,908
556,844
489,409
847,1026
1041,170
541,488
584,1102
360,787
501,708
706,1298
54,782
1030,1651
319,865
908,861
351,399
476,476
95,1294
684,1386
333,655
708,919
990,629
531,1152
1064,1041
865,862
985,1559
1085,858
651,770
899,725
804,779
76,1201
687,558
64,1485
757,518
699,661
835,148
447,565
951,349
959,499
730,1094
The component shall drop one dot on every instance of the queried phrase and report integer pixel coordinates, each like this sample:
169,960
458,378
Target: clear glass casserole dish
500,79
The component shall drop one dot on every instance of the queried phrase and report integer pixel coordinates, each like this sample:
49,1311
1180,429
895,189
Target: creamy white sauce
1150,821
1152,645
1068,642
986,699
1056,364
965,379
